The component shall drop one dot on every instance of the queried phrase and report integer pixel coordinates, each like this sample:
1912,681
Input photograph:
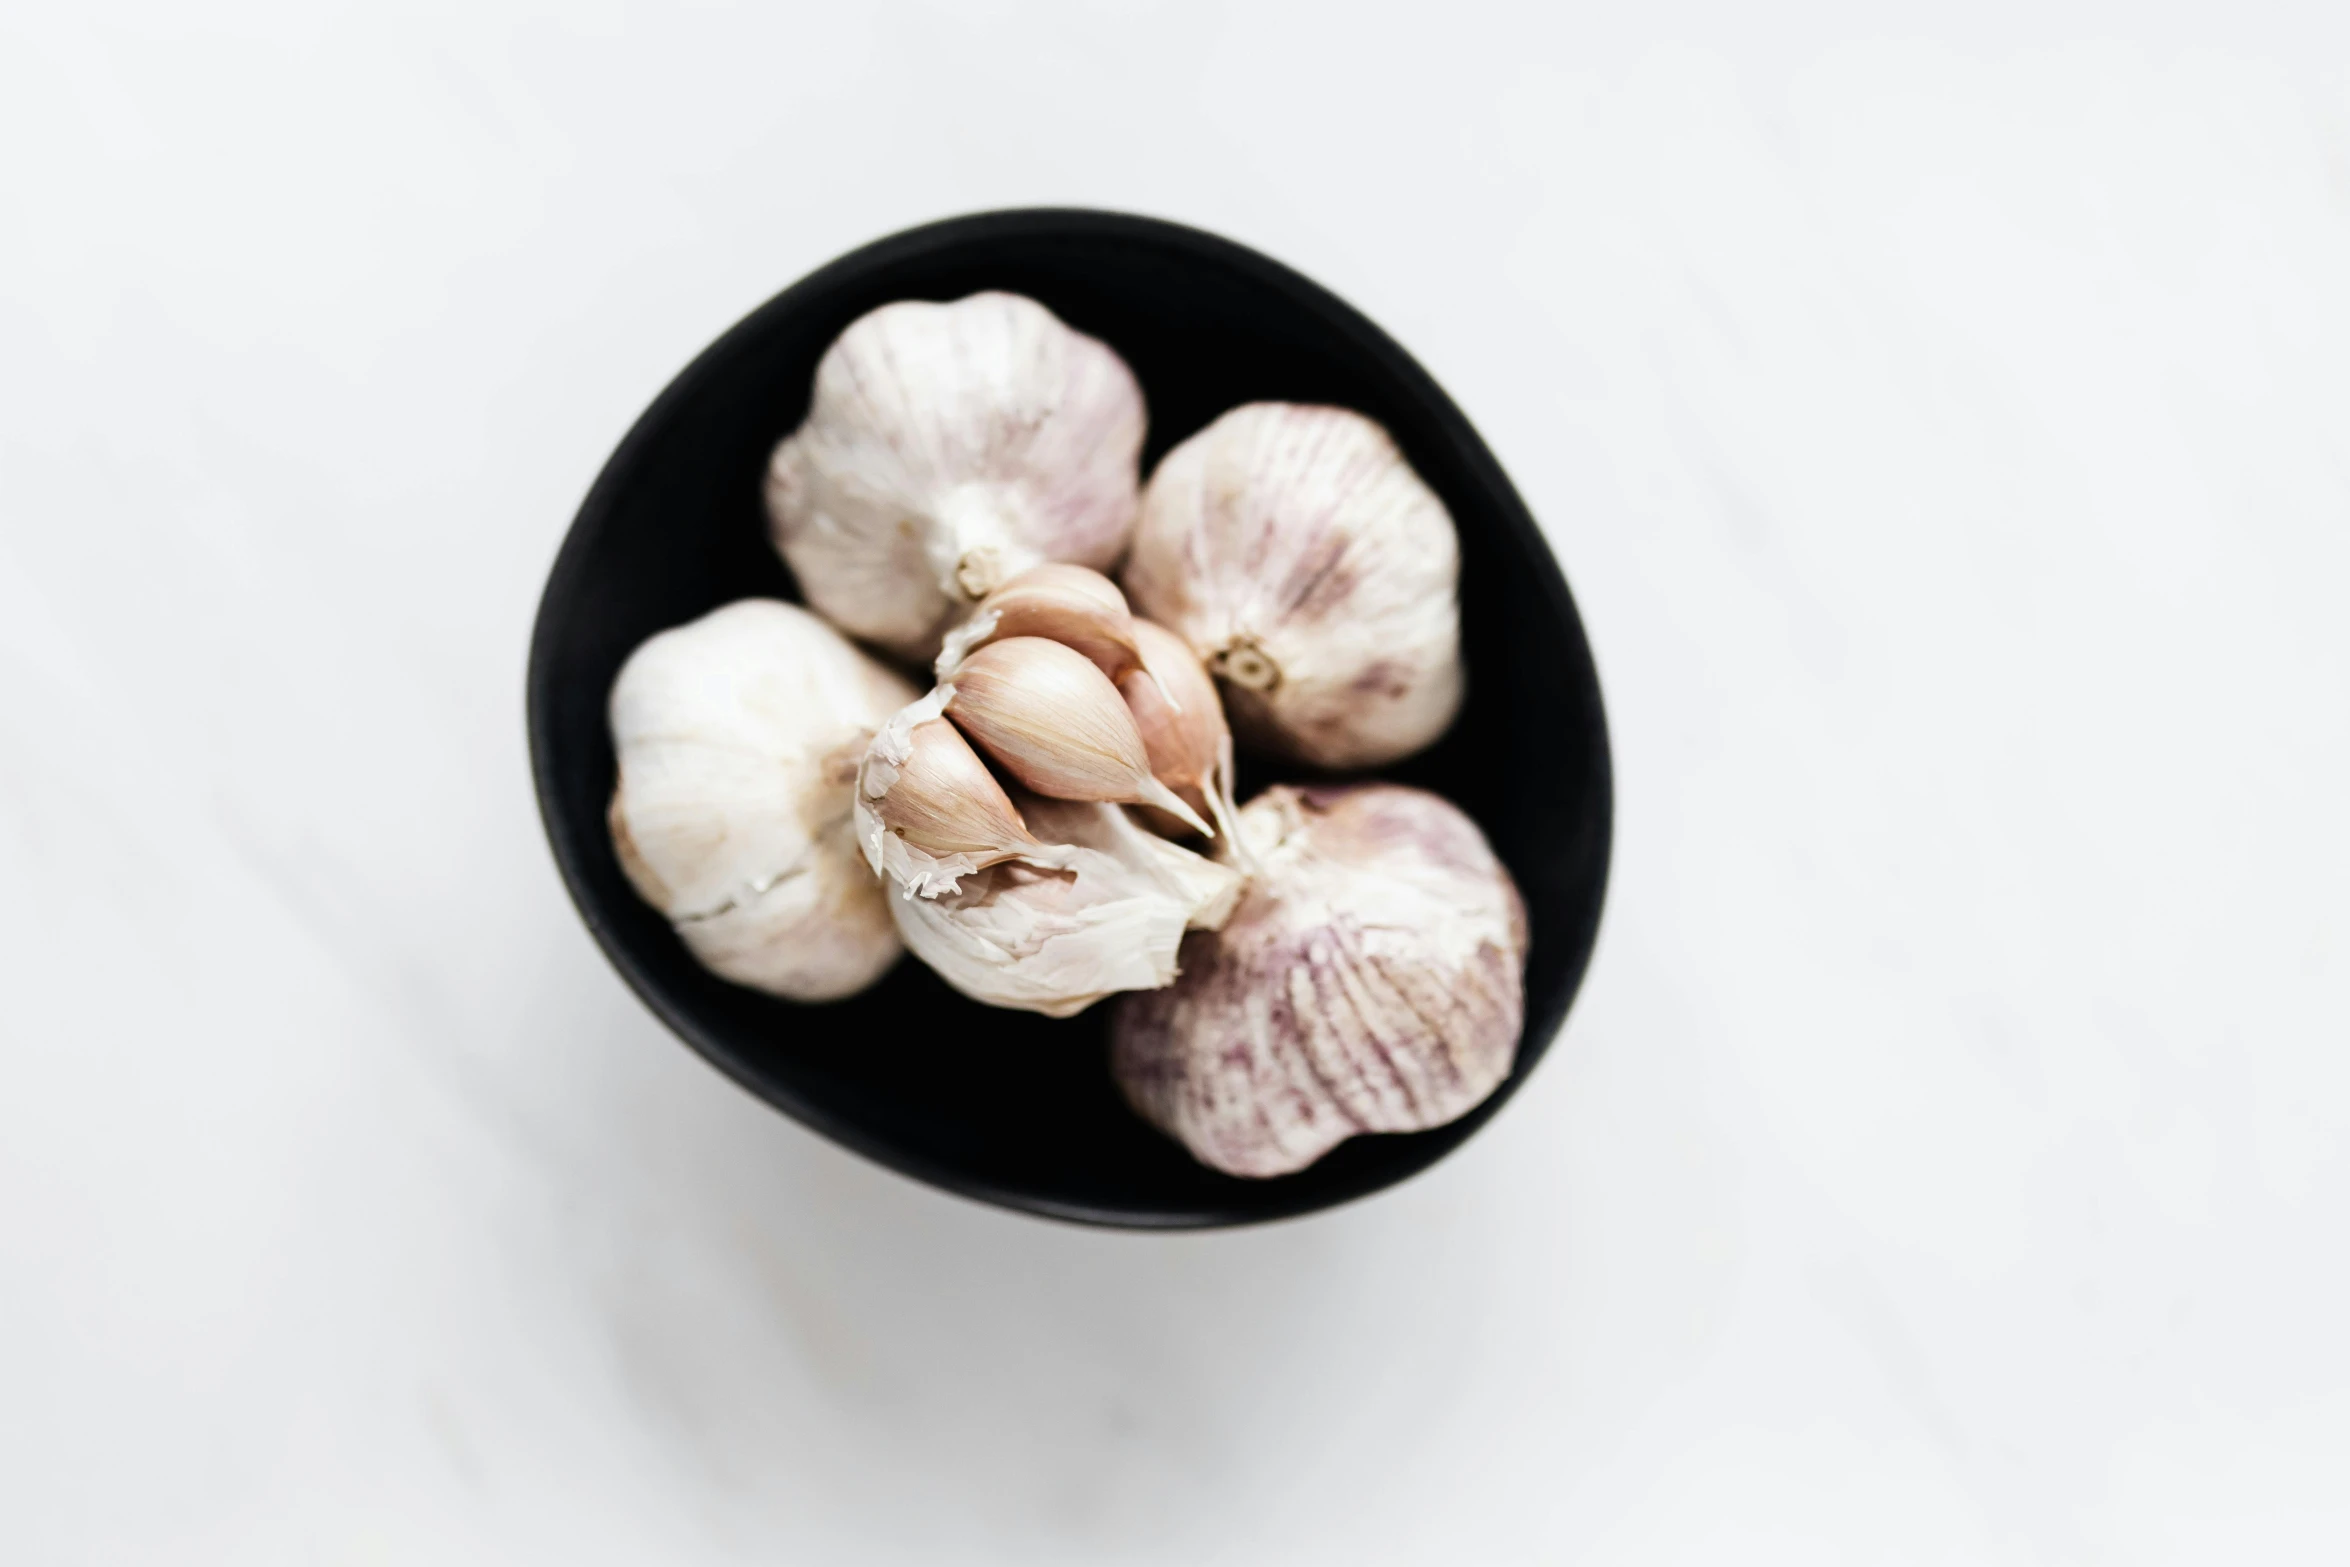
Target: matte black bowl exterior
998,1105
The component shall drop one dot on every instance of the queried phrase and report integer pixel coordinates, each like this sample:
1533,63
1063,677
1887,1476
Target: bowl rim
952,233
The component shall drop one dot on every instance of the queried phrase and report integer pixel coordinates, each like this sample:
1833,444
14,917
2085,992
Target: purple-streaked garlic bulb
738,738
947,448
1371,980
1314,574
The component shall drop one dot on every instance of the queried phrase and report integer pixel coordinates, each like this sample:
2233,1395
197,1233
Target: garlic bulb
738,738
1317,577
1057,905
946,449
1372,980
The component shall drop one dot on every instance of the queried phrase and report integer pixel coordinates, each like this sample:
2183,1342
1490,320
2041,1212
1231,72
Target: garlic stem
977,573
1246,665
1226,809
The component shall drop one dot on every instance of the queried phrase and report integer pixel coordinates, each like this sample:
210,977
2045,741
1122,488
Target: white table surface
1946,429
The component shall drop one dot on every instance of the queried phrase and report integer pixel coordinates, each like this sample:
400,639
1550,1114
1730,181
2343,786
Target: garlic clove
944,800
1175,708
736,738
1052,718
946,449
1372,979
927,811
1181,721
1297,553
1072,605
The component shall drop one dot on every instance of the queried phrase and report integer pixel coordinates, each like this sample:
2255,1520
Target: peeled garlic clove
1055,722
1371,980
1181,721
1054,939
1075,606
946,449
1317,577
738,737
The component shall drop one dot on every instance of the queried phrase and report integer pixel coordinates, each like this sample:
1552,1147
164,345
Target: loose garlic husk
738,738
1176,710
947,448
1315,574
1371,980
1052,718
1044,905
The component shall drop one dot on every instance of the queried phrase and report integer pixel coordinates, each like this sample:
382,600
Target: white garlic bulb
946,449
1044,905
1371,980
1315,575
738,738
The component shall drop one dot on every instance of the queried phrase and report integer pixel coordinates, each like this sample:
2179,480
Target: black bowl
1004,1106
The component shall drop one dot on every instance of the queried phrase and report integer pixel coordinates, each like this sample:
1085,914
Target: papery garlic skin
948,447
1064,903
1316,576
1110,917
738,737
1371,980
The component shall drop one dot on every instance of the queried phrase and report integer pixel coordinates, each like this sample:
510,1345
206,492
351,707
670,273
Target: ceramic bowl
1004,1106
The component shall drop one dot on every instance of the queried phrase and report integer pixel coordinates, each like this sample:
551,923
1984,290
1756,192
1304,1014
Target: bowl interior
1000,1105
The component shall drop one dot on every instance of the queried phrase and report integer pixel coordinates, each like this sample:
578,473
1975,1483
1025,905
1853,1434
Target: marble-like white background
1944,420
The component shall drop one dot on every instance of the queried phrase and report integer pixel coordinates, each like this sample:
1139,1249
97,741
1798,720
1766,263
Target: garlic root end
1245,664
